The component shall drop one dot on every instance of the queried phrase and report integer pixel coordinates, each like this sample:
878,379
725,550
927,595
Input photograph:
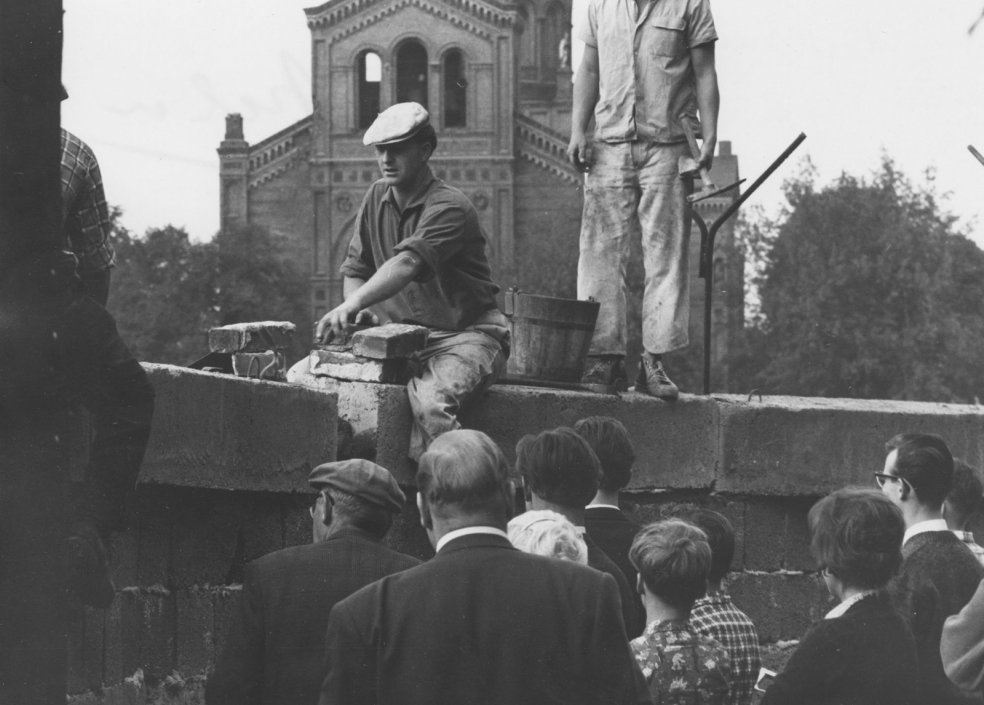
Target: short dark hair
966,494
720,537
673,558
610,441
464,473
426,135
354,511
924,461
559,466
856,534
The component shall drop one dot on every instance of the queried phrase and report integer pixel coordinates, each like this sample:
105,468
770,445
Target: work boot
653,380
88,566
605,373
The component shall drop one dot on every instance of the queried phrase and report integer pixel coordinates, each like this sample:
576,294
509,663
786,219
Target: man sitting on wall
275,649
418,256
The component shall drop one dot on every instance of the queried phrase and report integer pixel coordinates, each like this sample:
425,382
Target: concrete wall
224,483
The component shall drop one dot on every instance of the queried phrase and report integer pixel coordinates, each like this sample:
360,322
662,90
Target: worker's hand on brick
579,151
340,318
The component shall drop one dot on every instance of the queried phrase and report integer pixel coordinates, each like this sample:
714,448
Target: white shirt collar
845,605
468,531
923,527
600,506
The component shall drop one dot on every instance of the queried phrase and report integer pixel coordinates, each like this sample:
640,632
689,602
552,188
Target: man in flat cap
274,653
418,256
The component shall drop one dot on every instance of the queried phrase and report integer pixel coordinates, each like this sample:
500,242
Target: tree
868,290
168,291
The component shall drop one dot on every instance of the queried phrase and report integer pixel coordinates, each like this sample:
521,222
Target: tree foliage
168,291
867,289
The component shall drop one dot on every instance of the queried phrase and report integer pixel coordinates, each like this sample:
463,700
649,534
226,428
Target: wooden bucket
550,337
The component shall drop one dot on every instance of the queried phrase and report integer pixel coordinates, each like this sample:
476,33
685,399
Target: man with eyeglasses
938,574
275,652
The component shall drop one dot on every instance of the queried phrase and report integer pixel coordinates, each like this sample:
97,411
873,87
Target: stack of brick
257,348
381,354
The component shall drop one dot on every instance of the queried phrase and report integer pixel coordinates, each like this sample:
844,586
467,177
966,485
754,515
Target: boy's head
673,559
720,537
558,466
610,442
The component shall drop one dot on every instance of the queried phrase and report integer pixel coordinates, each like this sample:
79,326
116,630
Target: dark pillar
32,426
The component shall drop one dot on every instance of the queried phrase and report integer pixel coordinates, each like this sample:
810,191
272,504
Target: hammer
690,167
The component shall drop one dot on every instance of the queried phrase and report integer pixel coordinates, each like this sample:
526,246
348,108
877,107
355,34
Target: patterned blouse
681,666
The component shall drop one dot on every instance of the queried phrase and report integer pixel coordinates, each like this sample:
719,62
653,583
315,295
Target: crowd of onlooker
593,608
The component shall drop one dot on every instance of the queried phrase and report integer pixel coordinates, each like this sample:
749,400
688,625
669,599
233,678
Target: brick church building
497,82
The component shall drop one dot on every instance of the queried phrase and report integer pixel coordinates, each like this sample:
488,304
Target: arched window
411,73
527,43
454,89
370,73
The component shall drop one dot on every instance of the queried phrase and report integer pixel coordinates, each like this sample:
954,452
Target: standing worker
638,97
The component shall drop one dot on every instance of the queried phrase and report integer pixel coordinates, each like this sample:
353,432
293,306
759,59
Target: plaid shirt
84,210
716,616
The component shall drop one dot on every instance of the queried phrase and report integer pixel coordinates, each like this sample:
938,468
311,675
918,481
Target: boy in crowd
680,665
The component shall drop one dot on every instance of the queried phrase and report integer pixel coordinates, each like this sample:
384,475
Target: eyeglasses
882,477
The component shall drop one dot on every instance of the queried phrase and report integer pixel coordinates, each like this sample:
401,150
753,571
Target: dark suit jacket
938,577
632,613
613,531
867,656
275,648
482,623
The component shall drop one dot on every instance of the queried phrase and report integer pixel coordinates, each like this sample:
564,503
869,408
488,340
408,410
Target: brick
154,522
390,341
251,337
95,647
352,368
75,651
797,546
260,365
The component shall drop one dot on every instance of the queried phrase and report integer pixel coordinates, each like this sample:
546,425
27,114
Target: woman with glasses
862,652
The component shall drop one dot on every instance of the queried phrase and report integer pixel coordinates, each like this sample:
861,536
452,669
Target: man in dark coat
939,574
275,648
605,522
562,473
481,622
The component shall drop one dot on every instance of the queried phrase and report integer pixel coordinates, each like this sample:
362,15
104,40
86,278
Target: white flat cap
397,123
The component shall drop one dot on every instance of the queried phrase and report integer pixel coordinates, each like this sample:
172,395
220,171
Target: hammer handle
688,130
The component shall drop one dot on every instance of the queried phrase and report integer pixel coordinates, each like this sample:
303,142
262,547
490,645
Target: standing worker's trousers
634,189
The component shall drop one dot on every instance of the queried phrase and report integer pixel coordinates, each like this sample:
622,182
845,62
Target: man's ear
425,517
905,490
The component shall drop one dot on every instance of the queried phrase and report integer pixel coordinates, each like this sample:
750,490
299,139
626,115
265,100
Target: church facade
496,79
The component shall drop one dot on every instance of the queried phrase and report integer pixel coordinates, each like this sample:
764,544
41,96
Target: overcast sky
150,84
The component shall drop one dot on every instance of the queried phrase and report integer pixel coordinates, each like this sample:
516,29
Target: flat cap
361,478
397,123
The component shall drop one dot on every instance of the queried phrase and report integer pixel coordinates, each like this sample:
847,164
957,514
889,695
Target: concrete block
296,519
76,652
147,632
262,527
195,629
676,444
350,367
797,546
212,513
800,446
390,341
224,432
154,524
782,605
765,534
251,337
225,602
